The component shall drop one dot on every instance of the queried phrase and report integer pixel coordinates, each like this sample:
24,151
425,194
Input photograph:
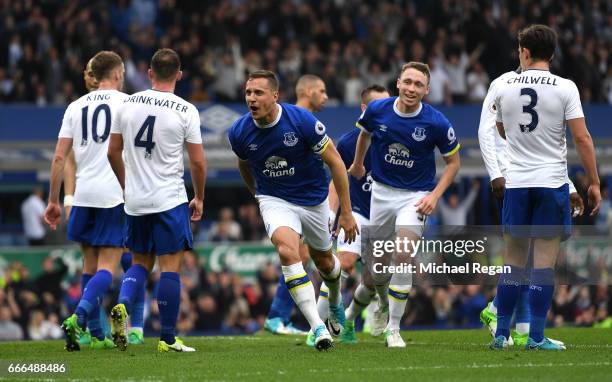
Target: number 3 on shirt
529,109
148,143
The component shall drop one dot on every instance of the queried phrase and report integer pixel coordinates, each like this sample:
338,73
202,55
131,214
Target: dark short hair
103,63
165,64
376,88
541,41
420,66
268,75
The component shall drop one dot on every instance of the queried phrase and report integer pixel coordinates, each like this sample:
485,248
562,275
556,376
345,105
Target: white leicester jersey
87,121
492,145
155,126
533,107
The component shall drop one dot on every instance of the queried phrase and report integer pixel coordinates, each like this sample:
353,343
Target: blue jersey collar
278,117
404,115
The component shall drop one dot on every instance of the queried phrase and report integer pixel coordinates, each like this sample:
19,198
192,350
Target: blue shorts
537,212
160,233
98,227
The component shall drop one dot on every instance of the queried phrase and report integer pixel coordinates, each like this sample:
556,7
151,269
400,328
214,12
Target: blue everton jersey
360,189
402,150
285,155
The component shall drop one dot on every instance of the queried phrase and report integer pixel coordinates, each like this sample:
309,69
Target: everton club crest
419,134
290,139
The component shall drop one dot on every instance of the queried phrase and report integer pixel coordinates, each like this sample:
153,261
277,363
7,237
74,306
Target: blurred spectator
251,223
9,331
209,317
226,229
439,84
50,280
478,84
32,211
41,329
453,212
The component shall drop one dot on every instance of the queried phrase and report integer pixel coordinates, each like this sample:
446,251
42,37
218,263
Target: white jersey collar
406,115
278,117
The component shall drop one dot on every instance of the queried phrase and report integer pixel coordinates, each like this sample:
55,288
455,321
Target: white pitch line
436,367
485,344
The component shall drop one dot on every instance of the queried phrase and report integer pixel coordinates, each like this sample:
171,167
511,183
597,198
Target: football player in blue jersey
312,96
282,150
350,253
403,133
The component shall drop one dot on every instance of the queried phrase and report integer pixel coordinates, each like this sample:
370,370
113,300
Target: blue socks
126,261
89,304
523,313
541,291
168,301
132,284
282,304
137,313
508,290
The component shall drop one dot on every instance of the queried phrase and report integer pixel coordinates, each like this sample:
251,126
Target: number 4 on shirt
148,143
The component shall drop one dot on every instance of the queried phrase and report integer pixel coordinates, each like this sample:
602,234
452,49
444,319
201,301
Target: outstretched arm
115,150
338,172
586,152
245,173
53,213
427,204
197,164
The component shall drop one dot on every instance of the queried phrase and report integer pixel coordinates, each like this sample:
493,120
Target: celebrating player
493,150
360,201
403,132
311,95
97,218
532,110
282,150
151,130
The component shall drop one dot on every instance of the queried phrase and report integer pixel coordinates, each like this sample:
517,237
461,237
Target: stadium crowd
348,43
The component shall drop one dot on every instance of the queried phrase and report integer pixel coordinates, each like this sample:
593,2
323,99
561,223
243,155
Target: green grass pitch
430,355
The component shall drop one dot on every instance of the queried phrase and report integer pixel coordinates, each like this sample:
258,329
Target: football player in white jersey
137,318
533,108
151,130
493,150
97,220
91,84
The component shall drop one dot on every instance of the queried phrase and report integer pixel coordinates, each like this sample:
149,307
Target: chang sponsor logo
399,155
276,167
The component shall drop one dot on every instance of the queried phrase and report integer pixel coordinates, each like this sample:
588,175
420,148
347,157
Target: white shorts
354,247
312,223
394,206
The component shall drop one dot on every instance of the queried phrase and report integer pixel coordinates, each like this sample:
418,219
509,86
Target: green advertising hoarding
242,258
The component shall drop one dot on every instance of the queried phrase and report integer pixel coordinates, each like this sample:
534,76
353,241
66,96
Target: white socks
361,299
302,291
398,297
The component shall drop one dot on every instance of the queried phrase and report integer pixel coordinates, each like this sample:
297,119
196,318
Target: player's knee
347,261
170,262
288,252
146,261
